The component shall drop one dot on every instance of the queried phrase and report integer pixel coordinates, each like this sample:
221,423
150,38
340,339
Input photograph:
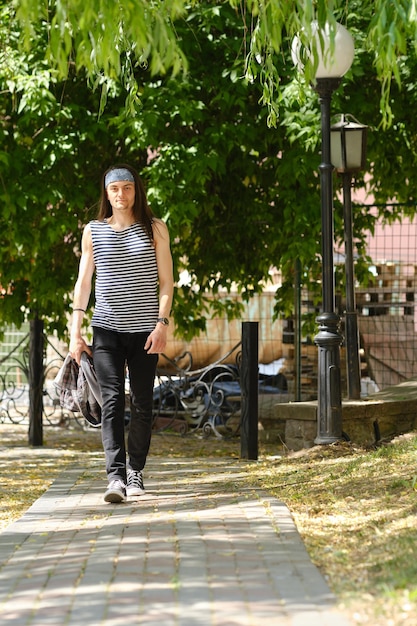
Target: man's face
121,195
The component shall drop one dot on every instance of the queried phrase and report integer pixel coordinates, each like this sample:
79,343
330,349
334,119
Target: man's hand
77,347
157,340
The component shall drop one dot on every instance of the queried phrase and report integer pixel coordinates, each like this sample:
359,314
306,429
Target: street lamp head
334,58
348,145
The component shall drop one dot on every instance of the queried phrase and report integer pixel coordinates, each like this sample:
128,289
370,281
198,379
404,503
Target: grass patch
356,511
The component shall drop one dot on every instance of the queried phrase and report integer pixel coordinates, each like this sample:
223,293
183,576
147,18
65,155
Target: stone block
386,414
300,433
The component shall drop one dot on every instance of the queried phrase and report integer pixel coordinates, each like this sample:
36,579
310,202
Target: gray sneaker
135,483
116,492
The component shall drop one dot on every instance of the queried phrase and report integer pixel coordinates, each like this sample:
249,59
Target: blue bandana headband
117,174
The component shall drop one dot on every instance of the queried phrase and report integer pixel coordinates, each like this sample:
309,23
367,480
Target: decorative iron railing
14,386
206,400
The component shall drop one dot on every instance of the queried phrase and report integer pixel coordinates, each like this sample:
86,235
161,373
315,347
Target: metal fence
387,316
14,380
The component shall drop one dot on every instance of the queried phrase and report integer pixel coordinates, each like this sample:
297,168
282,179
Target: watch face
163,320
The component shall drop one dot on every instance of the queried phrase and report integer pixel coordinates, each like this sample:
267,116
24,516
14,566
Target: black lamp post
334,60
348,155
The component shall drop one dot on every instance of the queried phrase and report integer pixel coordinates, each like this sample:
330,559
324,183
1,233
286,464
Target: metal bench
205,399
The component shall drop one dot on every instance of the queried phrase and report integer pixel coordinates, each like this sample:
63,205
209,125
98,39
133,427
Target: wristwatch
163,320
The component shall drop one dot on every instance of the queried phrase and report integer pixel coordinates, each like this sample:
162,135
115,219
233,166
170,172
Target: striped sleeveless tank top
126,284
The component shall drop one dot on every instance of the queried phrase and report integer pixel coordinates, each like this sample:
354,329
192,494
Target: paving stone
188,553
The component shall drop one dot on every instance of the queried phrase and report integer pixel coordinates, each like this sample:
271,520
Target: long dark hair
141,209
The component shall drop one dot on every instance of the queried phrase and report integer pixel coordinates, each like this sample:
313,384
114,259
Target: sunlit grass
356,511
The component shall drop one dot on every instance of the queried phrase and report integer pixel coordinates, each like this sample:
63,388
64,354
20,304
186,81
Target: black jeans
111,352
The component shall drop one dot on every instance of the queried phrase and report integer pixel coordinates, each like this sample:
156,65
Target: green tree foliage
388,32
80,90
109,39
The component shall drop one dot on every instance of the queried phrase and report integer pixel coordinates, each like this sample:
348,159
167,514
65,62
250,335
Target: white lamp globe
331,64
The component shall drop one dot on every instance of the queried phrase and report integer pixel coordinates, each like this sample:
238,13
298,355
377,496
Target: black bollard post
249,390
36,382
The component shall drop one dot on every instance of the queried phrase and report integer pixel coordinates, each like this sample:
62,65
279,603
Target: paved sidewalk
189,553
